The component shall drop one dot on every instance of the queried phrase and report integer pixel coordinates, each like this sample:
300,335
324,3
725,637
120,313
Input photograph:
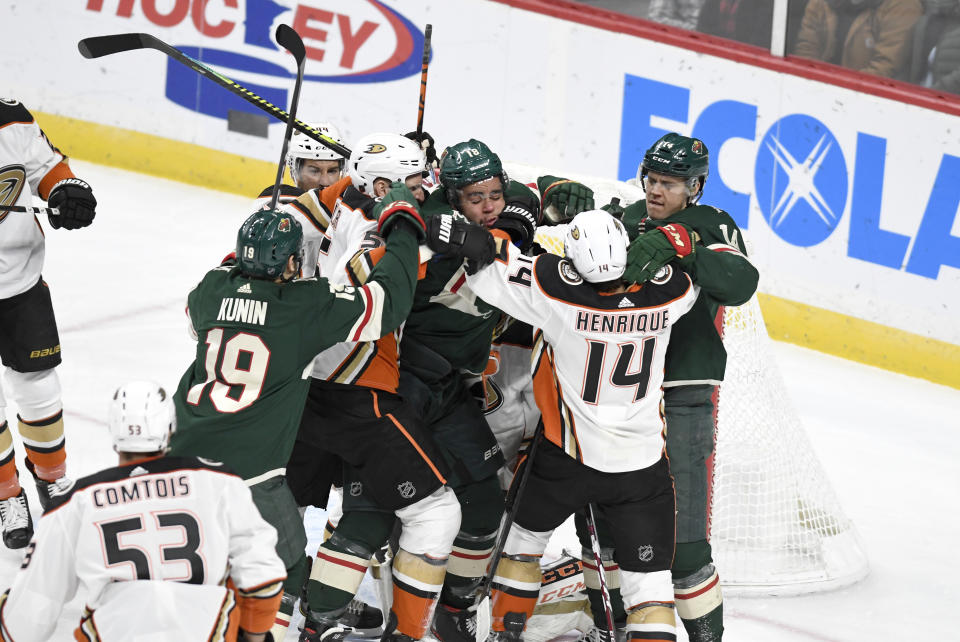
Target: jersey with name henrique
597,358
241,400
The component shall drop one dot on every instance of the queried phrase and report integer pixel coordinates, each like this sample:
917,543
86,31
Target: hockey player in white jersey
29,341
172,548
312,164
598,366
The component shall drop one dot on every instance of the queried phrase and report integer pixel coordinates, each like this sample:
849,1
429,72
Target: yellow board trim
864,341
804,325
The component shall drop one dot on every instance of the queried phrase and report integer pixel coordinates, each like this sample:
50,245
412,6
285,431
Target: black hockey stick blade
98,46
291,41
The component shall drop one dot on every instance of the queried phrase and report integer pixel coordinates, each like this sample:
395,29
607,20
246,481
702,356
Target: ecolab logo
361,41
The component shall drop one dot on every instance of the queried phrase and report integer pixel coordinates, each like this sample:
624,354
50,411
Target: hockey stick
99,46
427,33
291,41
484,611
50,211
601,571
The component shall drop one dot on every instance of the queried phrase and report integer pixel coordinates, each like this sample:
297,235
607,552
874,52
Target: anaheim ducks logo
575,233
12,180
375,148
493,396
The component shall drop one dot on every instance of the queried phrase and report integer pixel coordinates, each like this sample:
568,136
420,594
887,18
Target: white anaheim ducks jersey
597,358
29,165
150,543
314,221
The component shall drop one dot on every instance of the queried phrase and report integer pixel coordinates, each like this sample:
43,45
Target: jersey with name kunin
188,522
597,358
240,402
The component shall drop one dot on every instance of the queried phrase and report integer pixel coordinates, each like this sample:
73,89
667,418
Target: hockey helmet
676,155
265,241
384,155
466,163
596,243
302,148
141,417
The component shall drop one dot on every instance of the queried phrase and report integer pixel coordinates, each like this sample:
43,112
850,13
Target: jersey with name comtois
597,358
29,164
170,527
241,400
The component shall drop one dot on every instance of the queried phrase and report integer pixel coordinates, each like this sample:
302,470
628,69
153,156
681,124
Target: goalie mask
676,155
302,148
265,241
141,418
383,155
596,244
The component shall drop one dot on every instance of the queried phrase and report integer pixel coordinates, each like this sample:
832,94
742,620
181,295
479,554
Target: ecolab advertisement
849,201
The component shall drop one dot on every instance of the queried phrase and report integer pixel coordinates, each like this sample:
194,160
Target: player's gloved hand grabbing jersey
652,250
614,208
563,199
74,199
519,219
398,206
452,234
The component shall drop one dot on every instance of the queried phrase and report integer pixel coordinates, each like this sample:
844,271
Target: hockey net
777,526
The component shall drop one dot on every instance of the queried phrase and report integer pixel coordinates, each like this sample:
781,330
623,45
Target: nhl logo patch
569,273
356,488
662,276
407,489
645,553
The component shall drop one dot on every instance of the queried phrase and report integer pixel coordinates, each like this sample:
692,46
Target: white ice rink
890,444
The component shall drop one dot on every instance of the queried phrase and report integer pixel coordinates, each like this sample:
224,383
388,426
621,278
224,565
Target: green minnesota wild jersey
446,316
241,400
726,277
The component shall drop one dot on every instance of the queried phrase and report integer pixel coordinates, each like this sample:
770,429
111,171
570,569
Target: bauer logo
346,42
800,180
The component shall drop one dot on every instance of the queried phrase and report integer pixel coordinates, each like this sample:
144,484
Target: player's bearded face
666,195
482,202
318,173
415,184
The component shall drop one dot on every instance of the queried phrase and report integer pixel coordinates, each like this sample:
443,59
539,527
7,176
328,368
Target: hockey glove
651,251
563,199
456,236
427,145
399,205
520,223
614,208
74,198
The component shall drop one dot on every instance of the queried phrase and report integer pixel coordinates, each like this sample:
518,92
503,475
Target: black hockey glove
456,236
427,145
74,198
399,205
614,208
563,199
651,251
520,223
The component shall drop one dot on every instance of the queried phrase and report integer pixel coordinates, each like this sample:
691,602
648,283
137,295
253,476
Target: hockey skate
17,522
49,491
358,621
597,634
454,625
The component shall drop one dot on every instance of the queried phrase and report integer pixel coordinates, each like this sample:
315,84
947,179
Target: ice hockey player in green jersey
673,174
258,328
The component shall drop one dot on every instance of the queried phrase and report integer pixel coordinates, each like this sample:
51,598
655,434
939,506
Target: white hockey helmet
141,417
596,243
302,147
383,155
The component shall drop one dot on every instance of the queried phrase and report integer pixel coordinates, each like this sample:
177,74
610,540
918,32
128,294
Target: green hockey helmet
266,240
466,163
676,155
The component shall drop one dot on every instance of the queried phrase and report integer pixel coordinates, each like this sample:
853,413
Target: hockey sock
592,580
417,580
292,587
9,484
516,588
342,562
45,446
481,505
699,600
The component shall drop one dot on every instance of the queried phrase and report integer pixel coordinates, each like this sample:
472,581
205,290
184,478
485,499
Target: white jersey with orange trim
314,219
152,544
29,165
597,358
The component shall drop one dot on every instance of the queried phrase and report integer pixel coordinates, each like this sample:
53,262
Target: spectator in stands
872,36
748,21
676,13
936,47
